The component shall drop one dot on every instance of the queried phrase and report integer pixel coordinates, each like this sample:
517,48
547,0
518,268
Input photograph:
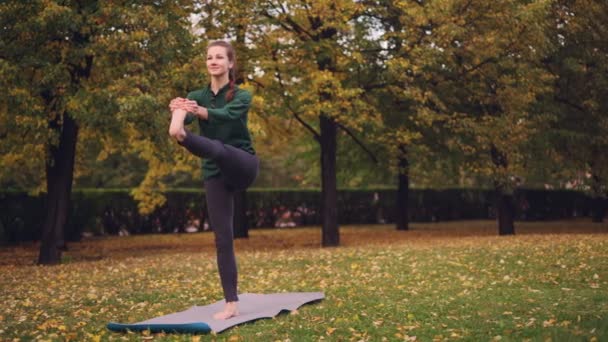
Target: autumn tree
74,66
308,47
479,70
579,132
393,70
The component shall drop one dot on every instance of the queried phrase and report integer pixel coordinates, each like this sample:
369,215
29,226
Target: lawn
435,282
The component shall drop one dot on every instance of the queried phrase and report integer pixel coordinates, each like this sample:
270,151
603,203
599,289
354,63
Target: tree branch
369,87
370,153
475,67
293,26
315,134
25,134
254,81
571,104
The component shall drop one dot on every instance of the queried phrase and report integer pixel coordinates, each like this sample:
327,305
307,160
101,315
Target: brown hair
230,52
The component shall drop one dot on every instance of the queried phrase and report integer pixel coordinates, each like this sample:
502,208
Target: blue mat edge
167,328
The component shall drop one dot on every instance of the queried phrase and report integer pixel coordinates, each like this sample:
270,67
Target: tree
579,131
480,69
106,66
317,37
393,84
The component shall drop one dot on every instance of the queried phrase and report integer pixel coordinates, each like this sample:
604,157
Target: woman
230,163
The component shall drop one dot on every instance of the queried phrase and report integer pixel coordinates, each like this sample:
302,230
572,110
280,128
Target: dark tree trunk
60,161
403,191
505,211
600,205
59,175
241,224
505,208
599,202
327,139
329,191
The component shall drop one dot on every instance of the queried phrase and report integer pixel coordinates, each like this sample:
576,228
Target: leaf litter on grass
379,283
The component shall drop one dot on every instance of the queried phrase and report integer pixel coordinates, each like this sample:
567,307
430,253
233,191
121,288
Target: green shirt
227,122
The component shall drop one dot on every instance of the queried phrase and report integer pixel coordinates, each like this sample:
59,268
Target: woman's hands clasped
189,106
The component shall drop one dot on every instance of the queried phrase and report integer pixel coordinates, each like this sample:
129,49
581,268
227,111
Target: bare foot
230,310
176,129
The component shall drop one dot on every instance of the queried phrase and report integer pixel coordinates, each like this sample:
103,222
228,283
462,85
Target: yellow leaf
549,323
330,331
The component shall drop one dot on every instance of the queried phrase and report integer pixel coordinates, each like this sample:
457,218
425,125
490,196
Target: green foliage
112,66
579,129
467,75
319,38
475,95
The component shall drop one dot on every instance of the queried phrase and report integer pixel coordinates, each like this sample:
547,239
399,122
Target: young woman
230,163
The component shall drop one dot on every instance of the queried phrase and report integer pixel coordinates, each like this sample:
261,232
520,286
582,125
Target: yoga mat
199,319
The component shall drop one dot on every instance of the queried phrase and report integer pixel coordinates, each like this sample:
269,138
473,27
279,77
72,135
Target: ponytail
232,78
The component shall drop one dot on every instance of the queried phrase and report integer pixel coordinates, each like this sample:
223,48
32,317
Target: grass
435,282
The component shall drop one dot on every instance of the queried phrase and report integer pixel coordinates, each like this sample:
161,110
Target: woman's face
217,61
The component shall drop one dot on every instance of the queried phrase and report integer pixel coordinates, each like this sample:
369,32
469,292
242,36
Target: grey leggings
238,169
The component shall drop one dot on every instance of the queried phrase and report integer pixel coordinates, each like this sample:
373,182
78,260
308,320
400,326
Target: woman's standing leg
220,203
238,170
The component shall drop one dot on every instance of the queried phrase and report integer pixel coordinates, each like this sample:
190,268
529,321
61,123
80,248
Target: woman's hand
177,103
193,107
189,106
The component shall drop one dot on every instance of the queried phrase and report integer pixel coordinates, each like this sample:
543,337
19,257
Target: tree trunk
59,176
599,209
599,202
329,191
505,211
403,191
504,202
240,223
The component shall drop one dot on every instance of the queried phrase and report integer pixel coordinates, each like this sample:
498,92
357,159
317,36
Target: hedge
106,211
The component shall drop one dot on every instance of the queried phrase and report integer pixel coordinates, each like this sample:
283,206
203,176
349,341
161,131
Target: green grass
436,282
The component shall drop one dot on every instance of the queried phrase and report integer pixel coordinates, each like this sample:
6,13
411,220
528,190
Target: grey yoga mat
199,319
